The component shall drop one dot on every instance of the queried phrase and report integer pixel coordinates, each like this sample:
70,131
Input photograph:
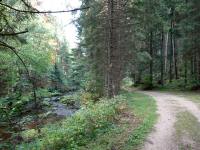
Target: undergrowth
133,125
120,123
79,129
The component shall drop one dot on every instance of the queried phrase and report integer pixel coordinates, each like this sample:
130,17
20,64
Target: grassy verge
132,127
144,107
187,128
121,123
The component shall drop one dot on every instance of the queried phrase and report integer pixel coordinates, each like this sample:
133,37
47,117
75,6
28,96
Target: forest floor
178,124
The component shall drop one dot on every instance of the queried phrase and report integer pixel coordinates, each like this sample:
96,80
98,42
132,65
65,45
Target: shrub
29,134
89,98
43,93
68,100
147,84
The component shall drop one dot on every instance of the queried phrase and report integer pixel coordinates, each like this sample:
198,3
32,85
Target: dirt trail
163,135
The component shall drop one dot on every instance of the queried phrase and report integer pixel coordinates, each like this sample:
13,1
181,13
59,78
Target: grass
132,126
143,107
187,128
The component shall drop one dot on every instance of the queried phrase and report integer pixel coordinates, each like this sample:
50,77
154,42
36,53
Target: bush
71,99
79,129
88,98
29,134
180,84
147,84
43,93
193,86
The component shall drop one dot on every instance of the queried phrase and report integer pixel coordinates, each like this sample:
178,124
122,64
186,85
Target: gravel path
163,135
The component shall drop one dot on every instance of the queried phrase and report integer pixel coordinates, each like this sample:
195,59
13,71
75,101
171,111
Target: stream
55,111
60,109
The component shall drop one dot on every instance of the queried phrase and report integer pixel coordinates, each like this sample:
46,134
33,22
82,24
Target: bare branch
15,52
28,5
43,12
13,33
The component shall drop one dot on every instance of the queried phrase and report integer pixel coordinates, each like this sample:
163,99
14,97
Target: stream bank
51,110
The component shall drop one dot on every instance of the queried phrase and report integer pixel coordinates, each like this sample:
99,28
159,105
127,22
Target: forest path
163,137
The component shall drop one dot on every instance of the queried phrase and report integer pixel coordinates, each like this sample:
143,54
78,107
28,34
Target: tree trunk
162,59
192,65
114,57
175,58
195,67
151,54
185,72
171,53
166,51
139,77
198,66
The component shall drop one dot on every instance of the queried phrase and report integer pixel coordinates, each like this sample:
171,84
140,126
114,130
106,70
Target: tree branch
26,68
32,82
13,33
15,52
42,12
28,5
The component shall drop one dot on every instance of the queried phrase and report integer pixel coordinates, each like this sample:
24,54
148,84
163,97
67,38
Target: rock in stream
60,109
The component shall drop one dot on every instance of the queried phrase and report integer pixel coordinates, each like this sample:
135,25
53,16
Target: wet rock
55,99
47,99
61,110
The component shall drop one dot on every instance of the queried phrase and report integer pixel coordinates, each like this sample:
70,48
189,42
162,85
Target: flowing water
60,109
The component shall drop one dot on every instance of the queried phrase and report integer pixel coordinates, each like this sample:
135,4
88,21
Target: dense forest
56,97
152,42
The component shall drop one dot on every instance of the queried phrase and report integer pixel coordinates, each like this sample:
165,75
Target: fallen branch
42,12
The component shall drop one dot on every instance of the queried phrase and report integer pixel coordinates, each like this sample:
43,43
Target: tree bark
171,53
166,51
192,65
185,64
162,58
114,57
198,66
175,58
151,54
